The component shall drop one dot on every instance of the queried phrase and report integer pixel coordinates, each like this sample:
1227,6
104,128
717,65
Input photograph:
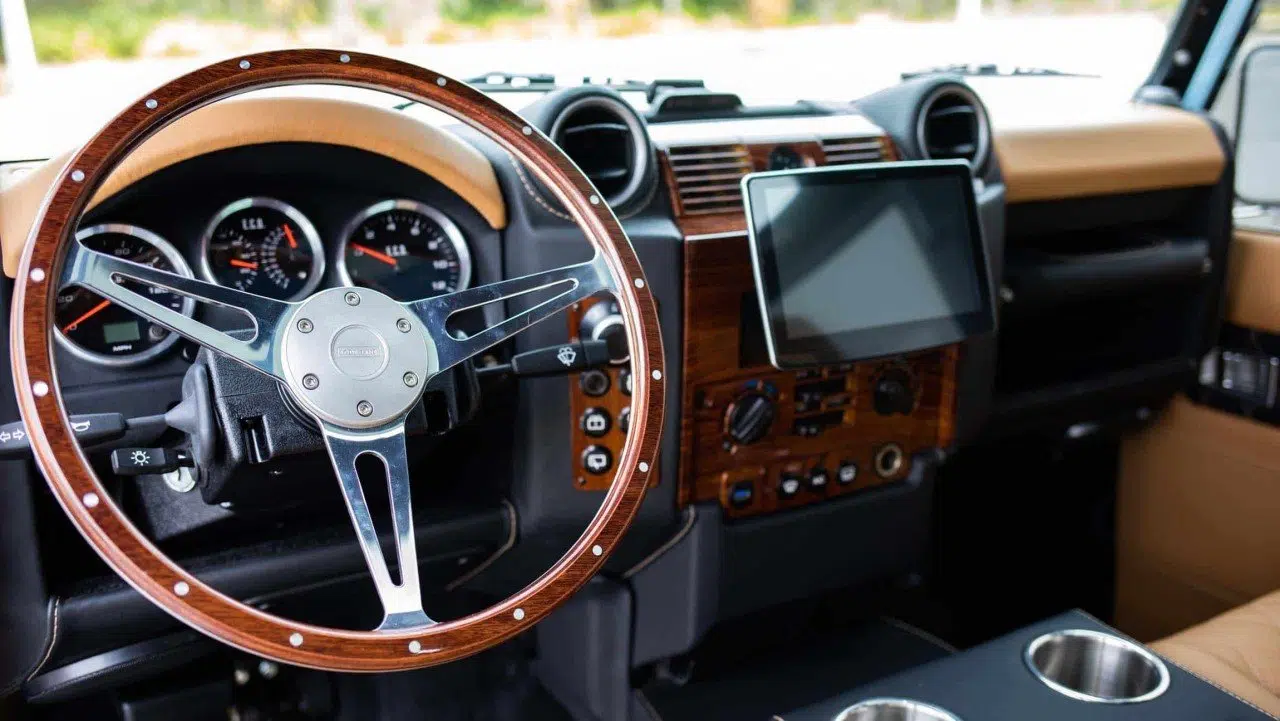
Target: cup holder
893,709
1097,667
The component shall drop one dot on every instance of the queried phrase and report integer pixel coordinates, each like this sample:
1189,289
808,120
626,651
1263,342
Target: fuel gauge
263,246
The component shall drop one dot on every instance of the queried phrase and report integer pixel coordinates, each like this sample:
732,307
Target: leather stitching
48,651
528,188
690,516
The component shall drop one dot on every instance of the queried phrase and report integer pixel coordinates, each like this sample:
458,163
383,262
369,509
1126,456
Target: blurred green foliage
71,30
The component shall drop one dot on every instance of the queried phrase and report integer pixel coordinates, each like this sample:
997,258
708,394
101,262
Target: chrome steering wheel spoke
574,283
401,602
99,271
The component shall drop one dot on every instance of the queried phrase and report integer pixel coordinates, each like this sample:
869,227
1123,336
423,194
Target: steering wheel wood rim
180,593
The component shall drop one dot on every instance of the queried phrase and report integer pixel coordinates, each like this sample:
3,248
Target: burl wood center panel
718,288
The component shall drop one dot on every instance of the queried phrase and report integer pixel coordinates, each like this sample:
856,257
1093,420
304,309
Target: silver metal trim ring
640,153
304,226
180,267
451,231
1109,639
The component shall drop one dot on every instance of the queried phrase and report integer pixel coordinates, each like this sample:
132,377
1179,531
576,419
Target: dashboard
1090,229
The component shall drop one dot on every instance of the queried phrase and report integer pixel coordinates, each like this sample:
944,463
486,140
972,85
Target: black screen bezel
867,343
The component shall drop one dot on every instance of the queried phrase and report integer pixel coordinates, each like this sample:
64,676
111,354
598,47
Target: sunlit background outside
70,64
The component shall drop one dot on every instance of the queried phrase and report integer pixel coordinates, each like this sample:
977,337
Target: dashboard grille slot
847,151
707,177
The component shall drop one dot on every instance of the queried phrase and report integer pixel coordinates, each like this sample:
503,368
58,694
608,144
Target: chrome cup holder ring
1096,667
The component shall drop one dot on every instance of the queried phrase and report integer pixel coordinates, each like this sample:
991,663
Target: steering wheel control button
789,486
355,368
597,460
847,473
818,479
595,422
741,494
594,383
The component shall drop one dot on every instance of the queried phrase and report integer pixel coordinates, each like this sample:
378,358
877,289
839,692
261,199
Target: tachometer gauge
104,332
405,249
263,246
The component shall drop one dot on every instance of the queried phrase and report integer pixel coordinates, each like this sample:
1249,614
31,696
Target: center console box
1067,668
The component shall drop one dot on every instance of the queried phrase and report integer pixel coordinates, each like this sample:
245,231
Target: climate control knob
894,393
749,418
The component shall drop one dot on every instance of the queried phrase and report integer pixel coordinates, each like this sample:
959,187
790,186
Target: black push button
624,380
847,473
818,479
789,486
741,494
595,422
624,419
597,460
594,383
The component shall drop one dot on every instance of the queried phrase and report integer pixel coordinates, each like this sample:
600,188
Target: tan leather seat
1239,651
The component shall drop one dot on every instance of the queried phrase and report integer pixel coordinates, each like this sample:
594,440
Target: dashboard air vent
953,125
605,139
847,151
708,176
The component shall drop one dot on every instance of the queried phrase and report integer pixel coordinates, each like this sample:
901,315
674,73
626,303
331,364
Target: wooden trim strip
135,558
254,121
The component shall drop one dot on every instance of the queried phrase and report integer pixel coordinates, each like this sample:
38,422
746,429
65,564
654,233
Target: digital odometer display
263,246
405,249
102,331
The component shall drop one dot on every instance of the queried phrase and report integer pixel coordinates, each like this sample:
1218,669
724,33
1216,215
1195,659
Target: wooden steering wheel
359,397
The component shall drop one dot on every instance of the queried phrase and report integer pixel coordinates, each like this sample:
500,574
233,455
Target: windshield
70,64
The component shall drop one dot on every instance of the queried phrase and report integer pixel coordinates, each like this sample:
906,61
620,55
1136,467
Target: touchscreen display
862,262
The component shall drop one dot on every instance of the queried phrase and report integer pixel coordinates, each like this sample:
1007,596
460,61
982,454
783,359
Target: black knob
603,321
749,418
894,394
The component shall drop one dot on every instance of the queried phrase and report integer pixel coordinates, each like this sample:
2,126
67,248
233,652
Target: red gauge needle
288,233
88,314
243,264
375,254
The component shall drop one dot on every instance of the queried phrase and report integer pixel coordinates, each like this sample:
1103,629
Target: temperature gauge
405,249
263,246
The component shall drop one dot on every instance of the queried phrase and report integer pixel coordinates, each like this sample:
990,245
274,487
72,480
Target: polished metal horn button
359,352
349,368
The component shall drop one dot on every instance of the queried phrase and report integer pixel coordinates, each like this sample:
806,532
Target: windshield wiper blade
992,70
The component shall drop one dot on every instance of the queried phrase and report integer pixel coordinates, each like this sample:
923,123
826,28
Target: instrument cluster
262,245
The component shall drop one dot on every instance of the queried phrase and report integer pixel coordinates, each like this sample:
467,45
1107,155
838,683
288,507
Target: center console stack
1068,668
822,352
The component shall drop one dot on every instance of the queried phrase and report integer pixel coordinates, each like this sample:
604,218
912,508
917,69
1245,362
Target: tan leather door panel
1199,492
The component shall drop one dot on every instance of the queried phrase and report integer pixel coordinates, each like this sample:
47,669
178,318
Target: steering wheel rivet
152,104
657,375
40,388
519,614
295,639
527,130
364,408
305,325
77,175
595,200
310,381
410,379
344,58
644,467
441,82
639,282
37,275
90,500
597,550
181,588
352,298
403,325
415,647
244,64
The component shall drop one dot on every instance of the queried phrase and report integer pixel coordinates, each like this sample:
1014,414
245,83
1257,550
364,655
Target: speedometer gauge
263,246
104,332
405,249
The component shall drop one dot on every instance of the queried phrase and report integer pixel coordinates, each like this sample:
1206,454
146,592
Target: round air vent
953,125
605,138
